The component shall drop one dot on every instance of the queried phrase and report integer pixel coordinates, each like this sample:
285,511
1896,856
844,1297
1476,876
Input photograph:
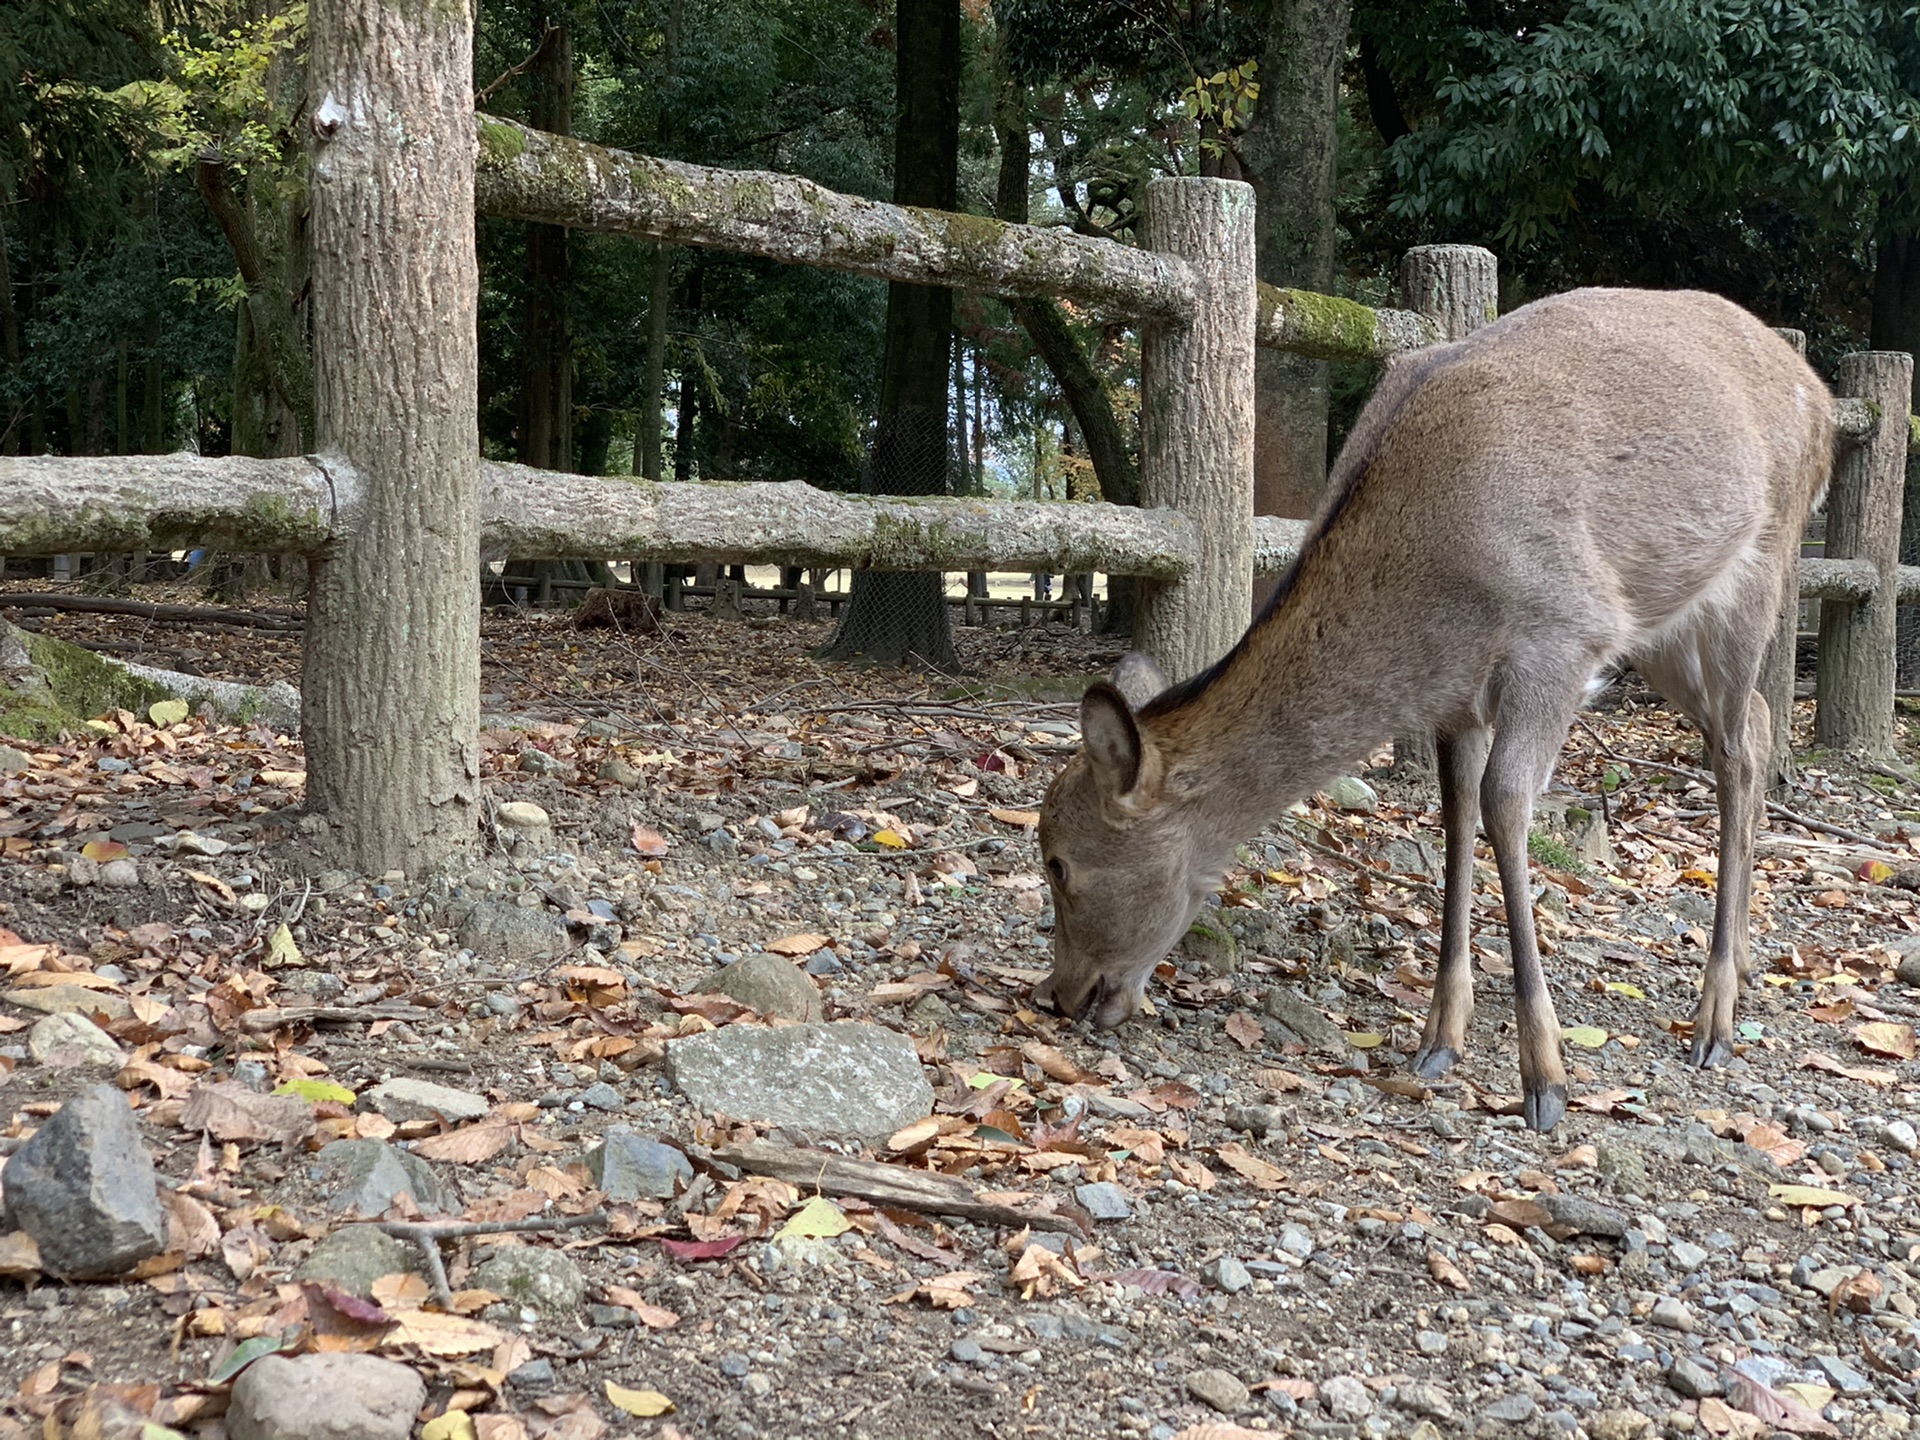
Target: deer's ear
1137,678
1111,737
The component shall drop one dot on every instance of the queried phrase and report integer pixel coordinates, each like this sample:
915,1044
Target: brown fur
1603,476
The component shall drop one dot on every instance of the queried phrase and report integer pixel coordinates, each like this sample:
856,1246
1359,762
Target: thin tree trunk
1896,326
1288,154
646,448
900,617
13,419
391,686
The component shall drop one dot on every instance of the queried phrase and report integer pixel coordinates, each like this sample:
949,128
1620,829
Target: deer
1602,478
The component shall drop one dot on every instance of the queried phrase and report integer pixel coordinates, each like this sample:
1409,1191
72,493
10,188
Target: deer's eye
1057,872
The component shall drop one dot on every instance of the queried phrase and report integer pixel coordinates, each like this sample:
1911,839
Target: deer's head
1125,854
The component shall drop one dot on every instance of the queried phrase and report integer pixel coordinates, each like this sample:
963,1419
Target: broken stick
427,1235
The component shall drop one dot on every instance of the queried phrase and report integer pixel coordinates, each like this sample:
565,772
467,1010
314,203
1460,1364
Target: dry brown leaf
1056,1066
1446,1272
654,1317
1221,1430
437,1334
1775,1410
191,1229
1866,1074
1246,1031
230,1112
944,1292
1719,1418
795,945
1250,1167
1771,1140
1590,1264
1519,1214
1039,1272
1892,1038
469,1145
19,1256
1192,1172
1025,819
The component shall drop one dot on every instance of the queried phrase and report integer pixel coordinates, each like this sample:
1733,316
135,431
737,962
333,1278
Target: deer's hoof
1544,1107
1710,1052
1432,1064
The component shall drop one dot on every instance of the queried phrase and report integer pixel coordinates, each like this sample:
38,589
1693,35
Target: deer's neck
1303,697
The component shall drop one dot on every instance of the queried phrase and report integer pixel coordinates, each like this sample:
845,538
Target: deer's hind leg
1711,676
1528,733
1463,759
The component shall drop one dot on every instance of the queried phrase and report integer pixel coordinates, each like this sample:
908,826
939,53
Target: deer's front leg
1462,759
1522,757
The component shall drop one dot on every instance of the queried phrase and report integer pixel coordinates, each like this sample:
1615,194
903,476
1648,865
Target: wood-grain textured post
1457,289
1776,669
1854,693
1196,428
391,687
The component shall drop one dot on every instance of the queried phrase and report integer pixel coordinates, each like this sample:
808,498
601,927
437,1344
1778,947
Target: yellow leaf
892,839
167,712
1810,1195
1365,1040
1699,877
1621,987
103,850
281,949
1587,1037
1874,872
454,1425
818,1219
644,1403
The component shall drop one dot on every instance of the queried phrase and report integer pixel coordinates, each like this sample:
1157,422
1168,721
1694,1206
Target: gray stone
1297,1241
523,815
1412,857
534,1375
1256,1119
1842,1376
84,1188
121,874
616,771
402,1099
1430,1342
627,1166
325,1397
1673,1314
1210,948
497,931
1304,1021
1345,1398
354,1256
1352,793
1511,1410
1226,1274
774,987
1588,1217
602,1096
1686,1256
539,762
846,1078
543,1280
1908,972
69,1000
1219,1388
1104,1200
13,762
1624,1168
967,1351
1619,1424
1688,1377
1900,1135
369,1175
1423,1398
67,1040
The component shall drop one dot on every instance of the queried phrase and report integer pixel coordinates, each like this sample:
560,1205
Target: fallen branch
427,1235
1705,777
883,1184
108,605
270,1018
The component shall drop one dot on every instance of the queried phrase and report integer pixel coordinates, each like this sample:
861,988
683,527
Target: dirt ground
1315,1242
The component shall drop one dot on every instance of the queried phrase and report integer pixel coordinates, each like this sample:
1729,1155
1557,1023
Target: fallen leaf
1024,818
230,1112
796,945
1587,1037
454,1425
1810,1195
1040,1272
20,1255
469,1145
892,839
644,1404
1251,1167
648,842
1246,1030
1446,1272
1055,1065
1814,1060
215,884
168,712
654,1317
244,1354
315,1092
690,1250
1158,1282
818,1219
437,1334
1887,1037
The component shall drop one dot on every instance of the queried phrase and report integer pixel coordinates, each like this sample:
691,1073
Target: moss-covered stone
60,686
500,145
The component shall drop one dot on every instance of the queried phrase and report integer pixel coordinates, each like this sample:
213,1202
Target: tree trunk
1896,326
13,418
391,688
898,617
546,334
1288,154
646,445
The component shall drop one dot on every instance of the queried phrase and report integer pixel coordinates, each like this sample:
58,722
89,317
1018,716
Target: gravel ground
1312,1242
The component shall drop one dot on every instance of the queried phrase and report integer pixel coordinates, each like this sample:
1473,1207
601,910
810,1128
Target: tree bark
546,327
646,445
13,422
901,618
1287,155
1896,326
391,686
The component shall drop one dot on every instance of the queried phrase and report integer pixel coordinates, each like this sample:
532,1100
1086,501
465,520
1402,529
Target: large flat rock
846,1078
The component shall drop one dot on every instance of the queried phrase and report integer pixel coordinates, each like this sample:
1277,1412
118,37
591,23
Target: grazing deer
1600,477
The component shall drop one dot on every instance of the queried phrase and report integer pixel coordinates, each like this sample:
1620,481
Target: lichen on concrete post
1854,692
1196,426
1457,287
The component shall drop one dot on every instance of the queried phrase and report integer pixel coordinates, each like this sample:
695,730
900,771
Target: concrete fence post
1457,287
1196,427
1854,692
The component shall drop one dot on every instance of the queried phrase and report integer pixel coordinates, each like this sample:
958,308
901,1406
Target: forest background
152,209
